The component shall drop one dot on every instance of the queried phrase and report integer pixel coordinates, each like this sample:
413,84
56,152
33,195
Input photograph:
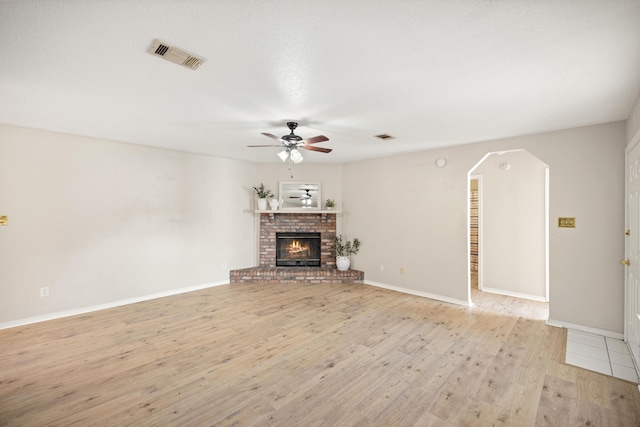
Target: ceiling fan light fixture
296,157
284,154
289,145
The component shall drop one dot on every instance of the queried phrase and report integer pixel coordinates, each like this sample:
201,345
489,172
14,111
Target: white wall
99,221
633,121
411,214
513,224
411,217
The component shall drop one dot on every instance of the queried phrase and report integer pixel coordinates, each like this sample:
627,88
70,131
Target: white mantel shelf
298,211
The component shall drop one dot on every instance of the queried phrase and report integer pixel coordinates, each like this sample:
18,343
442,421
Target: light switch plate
566,222
4,220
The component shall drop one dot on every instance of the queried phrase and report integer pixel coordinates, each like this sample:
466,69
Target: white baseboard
513,294
419,293
589,329
84,310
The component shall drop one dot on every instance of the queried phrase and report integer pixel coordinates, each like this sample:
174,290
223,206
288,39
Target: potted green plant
263,194
344,250
329,204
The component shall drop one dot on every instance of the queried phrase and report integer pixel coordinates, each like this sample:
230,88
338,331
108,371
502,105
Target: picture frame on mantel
300,195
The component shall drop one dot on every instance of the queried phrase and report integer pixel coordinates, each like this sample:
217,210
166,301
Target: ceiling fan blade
320,149
272,136
264,145
315,139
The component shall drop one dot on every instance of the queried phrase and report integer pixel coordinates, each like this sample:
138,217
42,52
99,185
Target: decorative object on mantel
329,204
273,204
300,195
263,194
344,249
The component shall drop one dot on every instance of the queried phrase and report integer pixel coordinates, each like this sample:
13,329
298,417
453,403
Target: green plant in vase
344,250
263,194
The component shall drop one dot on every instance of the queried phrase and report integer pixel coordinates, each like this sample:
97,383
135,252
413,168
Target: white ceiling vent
175,55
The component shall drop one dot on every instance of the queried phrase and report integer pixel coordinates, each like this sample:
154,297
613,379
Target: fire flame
296,249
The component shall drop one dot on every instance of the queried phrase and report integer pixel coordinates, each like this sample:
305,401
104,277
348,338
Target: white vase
262,204
343,263
273,203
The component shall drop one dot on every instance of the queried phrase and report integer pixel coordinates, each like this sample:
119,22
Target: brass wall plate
566,222
4,220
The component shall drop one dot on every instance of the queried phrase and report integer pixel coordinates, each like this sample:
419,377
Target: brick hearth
281,221
295,275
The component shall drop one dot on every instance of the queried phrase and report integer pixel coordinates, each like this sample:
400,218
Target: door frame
628,304
480,269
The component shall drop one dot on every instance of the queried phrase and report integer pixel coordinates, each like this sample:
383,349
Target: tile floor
600,354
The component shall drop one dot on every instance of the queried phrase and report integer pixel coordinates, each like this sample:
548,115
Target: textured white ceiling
431,73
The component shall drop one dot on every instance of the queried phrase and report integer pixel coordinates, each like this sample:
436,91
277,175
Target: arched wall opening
512,225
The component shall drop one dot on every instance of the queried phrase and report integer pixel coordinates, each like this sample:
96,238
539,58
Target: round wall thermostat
441,162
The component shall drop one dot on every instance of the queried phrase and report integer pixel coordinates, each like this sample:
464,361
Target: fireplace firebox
298,249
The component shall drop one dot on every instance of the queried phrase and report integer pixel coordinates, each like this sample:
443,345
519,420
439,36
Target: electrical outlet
401,270
224,264
44,292
381,267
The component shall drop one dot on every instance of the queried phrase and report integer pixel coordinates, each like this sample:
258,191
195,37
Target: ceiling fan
305,198
292,143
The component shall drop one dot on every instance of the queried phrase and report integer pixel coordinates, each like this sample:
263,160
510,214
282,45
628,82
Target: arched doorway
513,225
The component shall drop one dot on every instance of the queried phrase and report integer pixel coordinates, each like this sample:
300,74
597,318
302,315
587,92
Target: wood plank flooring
304,355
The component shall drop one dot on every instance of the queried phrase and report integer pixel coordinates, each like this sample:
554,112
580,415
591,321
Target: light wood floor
304,355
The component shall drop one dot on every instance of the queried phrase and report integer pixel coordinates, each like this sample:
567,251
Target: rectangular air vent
175,55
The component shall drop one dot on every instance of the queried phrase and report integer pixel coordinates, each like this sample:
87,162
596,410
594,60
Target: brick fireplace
274,222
